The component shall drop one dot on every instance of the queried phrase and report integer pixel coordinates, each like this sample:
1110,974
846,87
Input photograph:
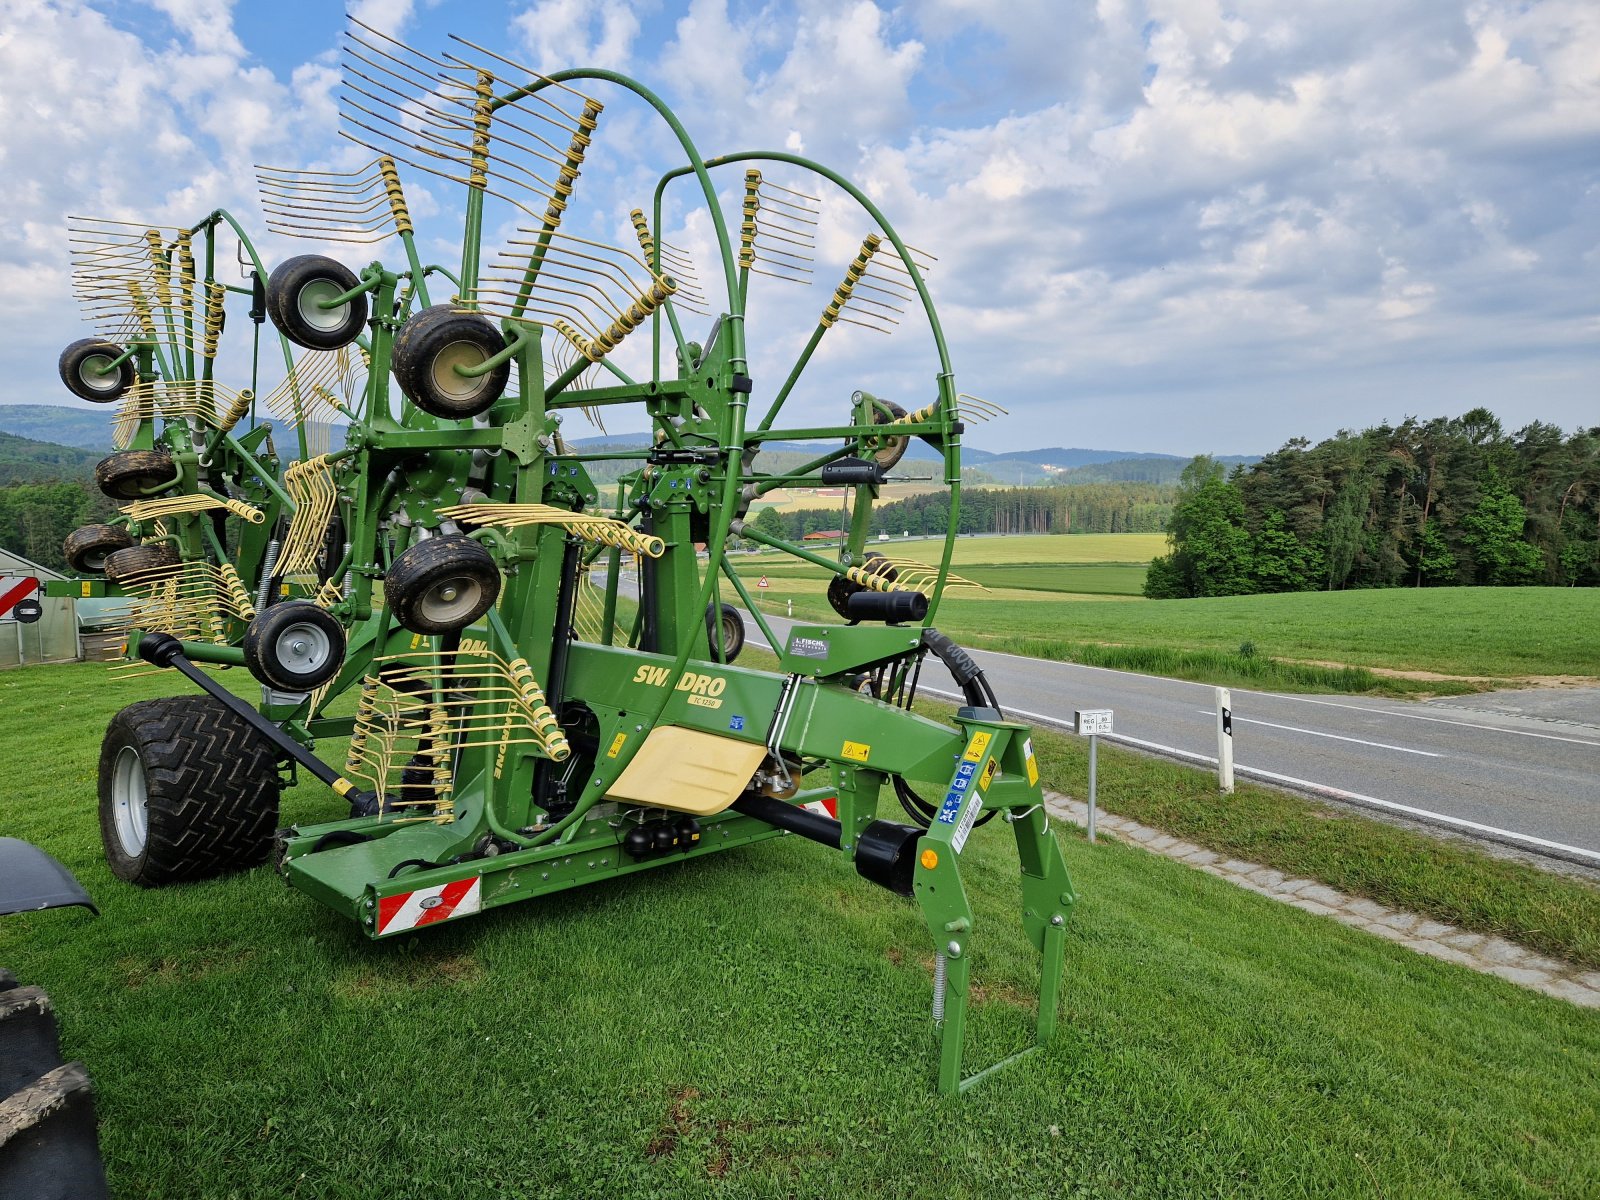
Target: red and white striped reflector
823,808
459,898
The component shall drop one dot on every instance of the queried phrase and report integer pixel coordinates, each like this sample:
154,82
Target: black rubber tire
77,365
732,632
293,289
49,1147
88,546
841,589
416,581
211,790
123,564
892,449
428,348
272,635
135,474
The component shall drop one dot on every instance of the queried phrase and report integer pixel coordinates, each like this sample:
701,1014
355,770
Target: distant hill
24,460
90,430
85,428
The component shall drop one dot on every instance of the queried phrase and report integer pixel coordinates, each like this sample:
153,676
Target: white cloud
577,33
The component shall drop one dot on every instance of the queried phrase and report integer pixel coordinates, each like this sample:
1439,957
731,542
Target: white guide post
1224,741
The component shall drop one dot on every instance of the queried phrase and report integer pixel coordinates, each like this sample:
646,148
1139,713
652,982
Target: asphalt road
1521,768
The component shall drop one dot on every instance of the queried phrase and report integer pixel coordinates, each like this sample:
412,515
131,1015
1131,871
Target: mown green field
755,1024
1482,633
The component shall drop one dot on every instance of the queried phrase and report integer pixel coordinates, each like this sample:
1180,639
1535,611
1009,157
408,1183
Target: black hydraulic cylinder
852,472
164,650
893,607
791,817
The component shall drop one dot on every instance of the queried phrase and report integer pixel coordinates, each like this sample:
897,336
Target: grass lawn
756,1025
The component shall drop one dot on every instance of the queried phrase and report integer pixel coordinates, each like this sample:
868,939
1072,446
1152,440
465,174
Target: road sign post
1091,723
1224,741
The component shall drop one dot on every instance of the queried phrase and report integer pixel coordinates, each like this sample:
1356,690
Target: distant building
825,535
54,636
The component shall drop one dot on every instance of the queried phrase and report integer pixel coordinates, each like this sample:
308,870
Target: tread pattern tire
211,787
293,288
413,582
124,564
76,367
89,546
134,474
429,346
49,1147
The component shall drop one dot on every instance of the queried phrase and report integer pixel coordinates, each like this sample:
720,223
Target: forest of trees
1445,502
1076,508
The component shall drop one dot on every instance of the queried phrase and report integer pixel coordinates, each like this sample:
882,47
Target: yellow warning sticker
1033,763
616,745
988,775
975,748
856,751
88,588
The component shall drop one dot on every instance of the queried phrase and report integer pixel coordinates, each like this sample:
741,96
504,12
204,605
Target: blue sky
1168,225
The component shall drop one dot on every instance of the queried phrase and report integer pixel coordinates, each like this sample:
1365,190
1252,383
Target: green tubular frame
553,827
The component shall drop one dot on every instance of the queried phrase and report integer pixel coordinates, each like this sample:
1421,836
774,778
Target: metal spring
268,562
941,965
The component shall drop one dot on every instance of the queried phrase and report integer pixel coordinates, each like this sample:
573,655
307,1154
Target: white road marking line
1506,835
1395,712
1338,737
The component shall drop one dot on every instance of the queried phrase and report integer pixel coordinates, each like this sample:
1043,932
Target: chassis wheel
83,369
732,633
296,291
429,348
88,546
135,474
442,585
841,589
294,647
187,791
125,564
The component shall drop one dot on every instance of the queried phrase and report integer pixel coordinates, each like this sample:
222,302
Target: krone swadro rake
538,635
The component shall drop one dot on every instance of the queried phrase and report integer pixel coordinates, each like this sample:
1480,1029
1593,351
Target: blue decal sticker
736,723
965,770
950,807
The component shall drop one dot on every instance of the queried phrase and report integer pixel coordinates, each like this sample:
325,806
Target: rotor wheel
442,585
294,647
188,790
298,290
89,546
136,474
889,449
123,565
432,345
86,369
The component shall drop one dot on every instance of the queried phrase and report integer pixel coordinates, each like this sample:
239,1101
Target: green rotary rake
539,638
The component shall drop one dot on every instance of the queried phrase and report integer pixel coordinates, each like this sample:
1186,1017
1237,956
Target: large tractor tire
188,790
49,1149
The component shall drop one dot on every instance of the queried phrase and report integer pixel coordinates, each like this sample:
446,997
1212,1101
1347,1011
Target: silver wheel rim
130,811
303,648
310,299
95,560
450,602
459,354
93,372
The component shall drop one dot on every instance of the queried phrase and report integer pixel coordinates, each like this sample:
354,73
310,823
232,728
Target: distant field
1110,579
1033,548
